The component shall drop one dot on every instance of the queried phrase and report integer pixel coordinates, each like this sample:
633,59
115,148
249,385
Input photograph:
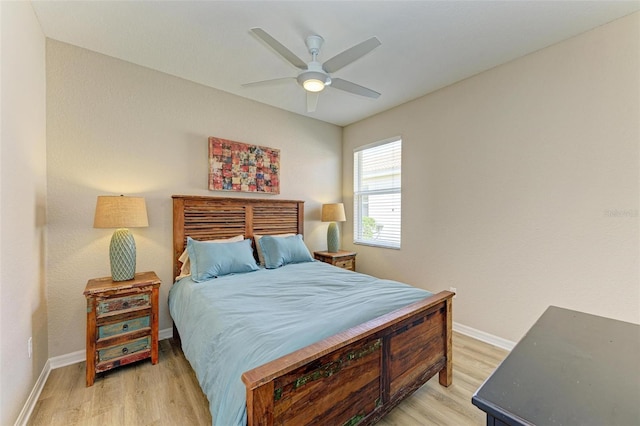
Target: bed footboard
359,375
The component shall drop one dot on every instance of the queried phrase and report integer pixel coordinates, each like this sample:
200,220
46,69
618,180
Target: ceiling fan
315,76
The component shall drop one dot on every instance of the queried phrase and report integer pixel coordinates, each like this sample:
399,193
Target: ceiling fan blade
347,86
272,81
312,101
356,52
279,47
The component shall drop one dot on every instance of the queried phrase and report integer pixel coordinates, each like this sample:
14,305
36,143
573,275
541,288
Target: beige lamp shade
333,213
120,212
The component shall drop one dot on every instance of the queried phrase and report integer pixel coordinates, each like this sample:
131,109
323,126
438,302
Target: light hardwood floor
168,393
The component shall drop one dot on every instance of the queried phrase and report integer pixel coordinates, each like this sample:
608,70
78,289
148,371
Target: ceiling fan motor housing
314,72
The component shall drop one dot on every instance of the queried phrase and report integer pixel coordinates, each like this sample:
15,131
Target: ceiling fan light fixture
314,81
313,85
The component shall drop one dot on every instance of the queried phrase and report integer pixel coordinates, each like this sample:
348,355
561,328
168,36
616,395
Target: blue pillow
284,250
213,260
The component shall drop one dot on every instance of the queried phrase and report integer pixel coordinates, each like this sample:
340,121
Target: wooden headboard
209,218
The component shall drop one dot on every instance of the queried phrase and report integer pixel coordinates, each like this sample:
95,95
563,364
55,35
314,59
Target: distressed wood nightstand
122,322
342,259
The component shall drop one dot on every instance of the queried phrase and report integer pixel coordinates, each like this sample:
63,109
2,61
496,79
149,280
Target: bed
353,376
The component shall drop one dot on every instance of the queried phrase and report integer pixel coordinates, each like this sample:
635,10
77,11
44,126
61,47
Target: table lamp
333,213
121,212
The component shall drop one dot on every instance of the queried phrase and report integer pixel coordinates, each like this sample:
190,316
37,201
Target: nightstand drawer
117,304
125,349
123,327
345,264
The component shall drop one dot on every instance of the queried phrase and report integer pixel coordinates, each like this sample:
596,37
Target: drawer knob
125,350
125,327
125,304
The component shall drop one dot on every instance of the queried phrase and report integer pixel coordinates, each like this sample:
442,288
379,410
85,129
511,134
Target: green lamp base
122,252
333,238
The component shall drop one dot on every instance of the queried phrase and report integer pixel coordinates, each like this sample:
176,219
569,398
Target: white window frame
360,199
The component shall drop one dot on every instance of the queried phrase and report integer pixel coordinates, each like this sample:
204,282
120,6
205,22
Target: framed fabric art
241,167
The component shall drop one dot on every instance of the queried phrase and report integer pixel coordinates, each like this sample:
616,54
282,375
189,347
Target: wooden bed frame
353,377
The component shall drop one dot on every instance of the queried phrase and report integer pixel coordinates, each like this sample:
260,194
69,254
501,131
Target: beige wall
118,128
23,305
520,185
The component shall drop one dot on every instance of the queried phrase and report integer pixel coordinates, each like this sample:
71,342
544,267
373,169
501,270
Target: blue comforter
234,323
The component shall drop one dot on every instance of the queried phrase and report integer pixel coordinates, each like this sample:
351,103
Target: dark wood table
571,368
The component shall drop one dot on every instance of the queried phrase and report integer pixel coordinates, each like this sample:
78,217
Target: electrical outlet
453,289
30,346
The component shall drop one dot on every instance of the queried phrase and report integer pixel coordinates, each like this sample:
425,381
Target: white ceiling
426,45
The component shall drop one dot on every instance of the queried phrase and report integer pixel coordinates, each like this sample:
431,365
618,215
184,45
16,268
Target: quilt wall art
241,167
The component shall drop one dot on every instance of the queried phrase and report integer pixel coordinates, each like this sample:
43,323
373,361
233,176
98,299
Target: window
377,193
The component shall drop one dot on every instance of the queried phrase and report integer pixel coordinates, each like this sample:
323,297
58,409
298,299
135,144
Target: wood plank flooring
168,393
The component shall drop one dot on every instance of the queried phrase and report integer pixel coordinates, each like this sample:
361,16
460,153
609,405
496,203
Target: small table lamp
121,212
333,213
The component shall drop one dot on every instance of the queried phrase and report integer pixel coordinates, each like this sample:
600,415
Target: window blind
377,194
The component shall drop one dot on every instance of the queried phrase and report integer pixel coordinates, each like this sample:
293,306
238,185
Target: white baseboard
483,337
67,359
25,414
167,333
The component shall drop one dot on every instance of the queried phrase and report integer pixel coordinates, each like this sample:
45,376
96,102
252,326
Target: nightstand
342,259
122,322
